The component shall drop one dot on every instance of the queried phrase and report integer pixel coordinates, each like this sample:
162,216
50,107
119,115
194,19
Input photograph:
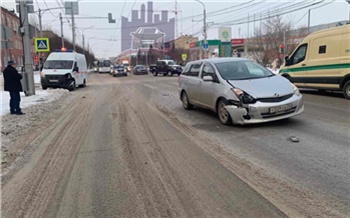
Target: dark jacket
12,79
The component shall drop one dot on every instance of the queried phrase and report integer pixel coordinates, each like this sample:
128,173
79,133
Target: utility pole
28,62
204,29
348,1
205,32
284,43
73,27
83,45
308,22
176,21
41,35
62,30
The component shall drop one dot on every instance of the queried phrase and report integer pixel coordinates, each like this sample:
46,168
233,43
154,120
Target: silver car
239,91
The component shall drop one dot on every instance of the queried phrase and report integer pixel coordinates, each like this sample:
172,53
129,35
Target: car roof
221,60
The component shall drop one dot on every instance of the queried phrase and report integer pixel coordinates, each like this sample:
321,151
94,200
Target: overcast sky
101,40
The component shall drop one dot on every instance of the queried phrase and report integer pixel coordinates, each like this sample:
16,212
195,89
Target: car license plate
54,80
281,108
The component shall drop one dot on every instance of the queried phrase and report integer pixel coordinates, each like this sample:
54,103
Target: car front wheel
223,114
185,101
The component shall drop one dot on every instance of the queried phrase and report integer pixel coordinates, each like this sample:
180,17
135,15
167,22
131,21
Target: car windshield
241,70
59,64
171,63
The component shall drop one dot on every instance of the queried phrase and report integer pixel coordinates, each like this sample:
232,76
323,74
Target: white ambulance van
64,69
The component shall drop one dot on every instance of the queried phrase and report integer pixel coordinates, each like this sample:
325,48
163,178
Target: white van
322,61
66,69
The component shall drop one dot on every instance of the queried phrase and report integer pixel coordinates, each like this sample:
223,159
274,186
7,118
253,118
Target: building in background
12,45
146,18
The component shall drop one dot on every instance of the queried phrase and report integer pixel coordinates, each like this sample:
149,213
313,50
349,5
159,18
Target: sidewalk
41,96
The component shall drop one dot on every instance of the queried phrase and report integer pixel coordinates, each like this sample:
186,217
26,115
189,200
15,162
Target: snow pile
40,108
27,101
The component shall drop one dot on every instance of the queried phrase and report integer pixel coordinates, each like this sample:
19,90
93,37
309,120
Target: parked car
139,70
119,70
167,68
239,91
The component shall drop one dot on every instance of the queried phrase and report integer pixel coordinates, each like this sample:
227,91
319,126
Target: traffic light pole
41,35
62,31
73,26
28,62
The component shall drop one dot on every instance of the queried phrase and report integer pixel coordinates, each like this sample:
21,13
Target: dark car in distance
167,68
139,70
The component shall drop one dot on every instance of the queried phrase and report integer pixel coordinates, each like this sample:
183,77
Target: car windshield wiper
240,78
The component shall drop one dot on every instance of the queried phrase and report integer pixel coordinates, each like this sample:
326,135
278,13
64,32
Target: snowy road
124,147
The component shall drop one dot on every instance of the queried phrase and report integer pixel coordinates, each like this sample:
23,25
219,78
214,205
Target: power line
48,8
267,15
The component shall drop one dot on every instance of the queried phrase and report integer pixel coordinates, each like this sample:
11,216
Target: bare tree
264,47
33,20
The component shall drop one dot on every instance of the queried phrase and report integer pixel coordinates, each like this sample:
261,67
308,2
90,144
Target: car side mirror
287,60
208,79
76,69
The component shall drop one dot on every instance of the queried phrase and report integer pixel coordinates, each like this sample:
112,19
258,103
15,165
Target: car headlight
42,74
296,90
243,96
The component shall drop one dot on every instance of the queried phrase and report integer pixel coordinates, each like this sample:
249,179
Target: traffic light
110,19
282,48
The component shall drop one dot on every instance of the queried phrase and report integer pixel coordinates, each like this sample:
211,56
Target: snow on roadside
27,101
38,108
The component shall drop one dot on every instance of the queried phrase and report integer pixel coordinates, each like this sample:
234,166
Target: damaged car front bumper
261,112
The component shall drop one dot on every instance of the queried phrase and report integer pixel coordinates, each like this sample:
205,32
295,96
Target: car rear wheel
170,73
346,90
223,114
185,101
155,74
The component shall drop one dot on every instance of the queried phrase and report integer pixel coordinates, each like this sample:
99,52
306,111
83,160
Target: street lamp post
204,27
84,38
348,1
88,42
308,22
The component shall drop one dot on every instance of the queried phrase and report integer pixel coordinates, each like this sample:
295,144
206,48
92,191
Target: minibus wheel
346,90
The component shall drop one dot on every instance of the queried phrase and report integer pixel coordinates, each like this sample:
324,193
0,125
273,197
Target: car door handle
303,65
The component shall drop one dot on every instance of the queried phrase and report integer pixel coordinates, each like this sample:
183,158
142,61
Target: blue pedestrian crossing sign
42,44
205,46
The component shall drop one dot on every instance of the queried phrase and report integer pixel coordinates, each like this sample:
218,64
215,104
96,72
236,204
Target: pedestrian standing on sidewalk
12,84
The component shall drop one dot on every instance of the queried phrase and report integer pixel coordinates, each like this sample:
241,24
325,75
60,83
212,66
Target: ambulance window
299,55
322,49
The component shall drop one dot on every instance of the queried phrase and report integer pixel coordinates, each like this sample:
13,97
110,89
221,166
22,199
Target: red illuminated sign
237,41
192,45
